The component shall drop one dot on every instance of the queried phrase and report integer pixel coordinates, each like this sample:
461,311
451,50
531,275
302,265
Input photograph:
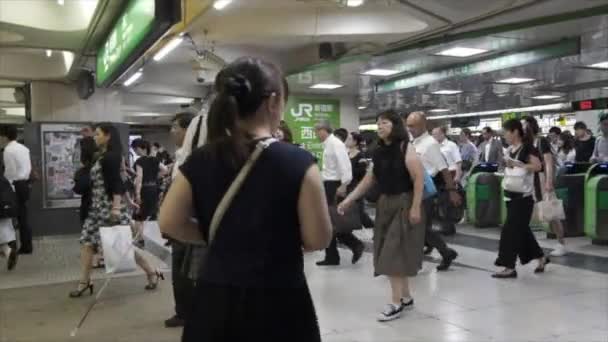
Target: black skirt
227,313
148,209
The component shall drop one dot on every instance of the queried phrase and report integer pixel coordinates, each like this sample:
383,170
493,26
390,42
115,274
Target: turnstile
570,188
596,204
483,196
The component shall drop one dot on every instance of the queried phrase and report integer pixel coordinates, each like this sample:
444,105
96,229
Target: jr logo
303,109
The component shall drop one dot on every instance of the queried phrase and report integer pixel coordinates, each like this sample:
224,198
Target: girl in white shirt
566,152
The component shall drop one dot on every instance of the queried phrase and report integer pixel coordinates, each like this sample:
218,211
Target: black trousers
432,238
348,239
22,191
516,238
366,221
183,287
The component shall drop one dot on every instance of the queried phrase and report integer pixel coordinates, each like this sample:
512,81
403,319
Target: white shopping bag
550,209
155,243
118,252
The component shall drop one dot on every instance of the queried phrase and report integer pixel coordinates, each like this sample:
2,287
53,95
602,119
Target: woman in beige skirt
399,229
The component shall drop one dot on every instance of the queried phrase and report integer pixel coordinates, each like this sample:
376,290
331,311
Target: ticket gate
483,196
596,203
570,188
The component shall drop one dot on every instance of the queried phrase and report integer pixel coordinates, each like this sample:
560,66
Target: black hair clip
238,86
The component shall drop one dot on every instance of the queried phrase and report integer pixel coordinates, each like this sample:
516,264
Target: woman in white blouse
566,152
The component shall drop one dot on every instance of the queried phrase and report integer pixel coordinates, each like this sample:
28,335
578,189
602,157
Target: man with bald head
435,164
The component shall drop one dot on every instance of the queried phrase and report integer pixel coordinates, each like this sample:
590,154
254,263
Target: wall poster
302,114
60,160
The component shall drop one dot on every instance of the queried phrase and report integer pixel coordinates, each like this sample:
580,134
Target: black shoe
428,250
502,275
174,322
447,260
358,253
153,280
328,263
81,290
25,251
12,260
407,305
447,232
541,269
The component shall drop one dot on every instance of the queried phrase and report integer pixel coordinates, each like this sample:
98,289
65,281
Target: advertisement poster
301,116
60,160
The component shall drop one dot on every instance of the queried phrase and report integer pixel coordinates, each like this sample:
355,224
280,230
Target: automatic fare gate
483,196
596,204
570,188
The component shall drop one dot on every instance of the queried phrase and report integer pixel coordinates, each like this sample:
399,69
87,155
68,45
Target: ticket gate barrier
570,188
596,204
483,196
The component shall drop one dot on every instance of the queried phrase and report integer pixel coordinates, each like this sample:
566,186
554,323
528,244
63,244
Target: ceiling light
49,53
602,65
17,111
380,72
558,107
361,107
447,92
439,110
329,86
61,2
461,52
145,114
546,97
354,3
370,127
221,4
133,78
168,48
516,80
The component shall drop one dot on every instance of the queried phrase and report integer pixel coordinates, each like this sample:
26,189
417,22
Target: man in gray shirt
600,152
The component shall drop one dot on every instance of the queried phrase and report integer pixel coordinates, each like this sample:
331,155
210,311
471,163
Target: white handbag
118,252
550,208
518,179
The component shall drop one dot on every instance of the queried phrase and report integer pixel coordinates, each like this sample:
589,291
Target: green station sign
140,25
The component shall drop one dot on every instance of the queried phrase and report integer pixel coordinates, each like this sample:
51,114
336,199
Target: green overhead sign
131,29
561,49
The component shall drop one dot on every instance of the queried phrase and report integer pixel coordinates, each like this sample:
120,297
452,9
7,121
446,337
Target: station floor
567,303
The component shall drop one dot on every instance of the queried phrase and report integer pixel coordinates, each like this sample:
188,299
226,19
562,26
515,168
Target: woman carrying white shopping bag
108,208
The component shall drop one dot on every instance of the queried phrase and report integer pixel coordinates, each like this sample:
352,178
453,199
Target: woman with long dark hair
400,228
359,165
516,239
566,152
107,207
251,284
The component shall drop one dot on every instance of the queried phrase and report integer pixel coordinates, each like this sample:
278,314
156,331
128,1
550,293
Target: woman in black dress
359,164
148,171
516,238
252,284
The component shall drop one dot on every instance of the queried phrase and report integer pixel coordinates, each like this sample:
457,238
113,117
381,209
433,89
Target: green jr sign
301,116
132,27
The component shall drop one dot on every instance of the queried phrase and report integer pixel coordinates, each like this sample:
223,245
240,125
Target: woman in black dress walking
252,284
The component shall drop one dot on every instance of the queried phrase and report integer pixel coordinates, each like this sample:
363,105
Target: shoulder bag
518,179
195,257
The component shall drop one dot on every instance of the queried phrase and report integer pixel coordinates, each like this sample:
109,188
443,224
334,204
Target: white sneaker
390,313
559,251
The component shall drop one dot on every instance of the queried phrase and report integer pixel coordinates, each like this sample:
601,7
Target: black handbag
351,220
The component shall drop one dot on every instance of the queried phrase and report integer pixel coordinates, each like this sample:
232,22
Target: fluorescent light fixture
370,127
49,53
221,4
133,78
354,3
362,107
546,97
516,80
439,110
558,107
61,2
162,53
328,86
602,65
380,72
141,115
447,92
17,111
461,52
182,100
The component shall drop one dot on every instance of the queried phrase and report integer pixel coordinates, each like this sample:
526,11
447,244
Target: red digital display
586,105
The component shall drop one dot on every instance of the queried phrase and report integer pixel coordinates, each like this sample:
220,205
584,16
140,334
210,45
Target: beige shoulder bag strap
235,187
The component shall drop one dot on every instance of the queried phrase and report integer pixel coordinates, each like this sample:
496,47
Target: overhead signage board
141,24
302,114
561,49
594,104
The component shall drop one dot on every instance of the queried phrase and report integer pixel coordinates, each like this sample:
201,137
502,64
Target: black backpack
8,199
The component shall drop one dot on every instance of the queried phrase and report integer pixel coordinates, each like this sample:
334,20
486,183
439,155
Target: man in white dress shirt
17,169
337,174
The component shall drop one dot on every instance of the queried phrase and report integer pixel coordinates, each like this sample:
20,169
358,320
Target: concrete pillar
58,102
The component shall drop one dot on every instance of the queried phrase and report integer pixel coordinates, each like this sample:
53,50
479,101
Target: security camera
201,76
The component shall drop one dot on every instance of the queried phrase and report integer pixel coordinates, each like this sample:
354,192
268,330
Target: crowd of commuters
245,202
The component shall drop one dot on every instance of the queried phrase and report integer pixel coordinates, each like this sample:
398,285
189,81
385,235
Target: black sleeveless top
258,243
390,172
151,168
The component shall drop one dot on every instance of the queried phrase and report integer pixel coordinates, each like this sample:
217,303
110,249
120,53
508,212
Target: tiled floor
464,304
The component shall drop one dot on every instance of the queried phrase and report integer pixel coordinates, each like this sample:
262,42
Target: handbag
518,179
351,220
200,249
118,252
550,208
